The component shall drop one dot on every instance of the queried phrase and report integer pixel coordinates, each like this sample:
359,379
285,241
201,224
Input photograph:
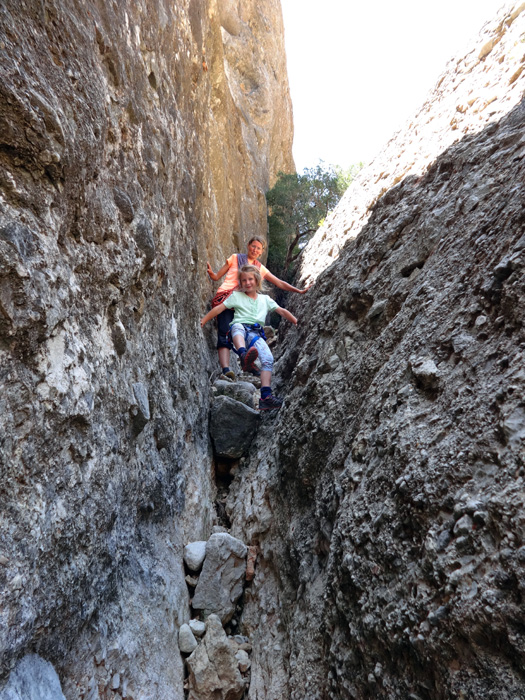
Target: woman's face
255,250
248,282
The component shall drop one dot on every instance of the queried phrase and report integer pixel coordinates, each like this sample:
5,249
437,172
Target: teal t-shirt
248,310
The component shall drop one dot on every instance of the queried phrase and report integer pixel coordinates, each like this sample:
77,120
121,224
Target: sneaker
230,374
248,359
255,371
270,403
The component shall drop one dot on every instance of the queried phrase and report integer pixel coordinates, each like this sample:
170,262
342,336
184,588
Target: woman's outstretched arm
284,285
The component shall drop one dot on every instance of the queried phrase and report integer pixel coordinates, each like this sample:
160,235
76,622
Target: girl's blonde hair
252,270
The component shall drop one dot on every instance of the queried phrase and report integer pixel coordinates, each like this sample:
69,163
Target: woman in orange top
230,268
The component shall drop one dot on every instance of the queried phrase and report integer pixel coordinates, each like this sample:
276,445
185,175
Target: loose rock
232,427
214,670
243,660
187,641
222,577
194,554
240,391
197,627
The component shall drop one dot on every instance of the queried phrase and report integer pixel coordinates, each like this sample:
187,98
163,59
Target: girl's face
255,250
248,282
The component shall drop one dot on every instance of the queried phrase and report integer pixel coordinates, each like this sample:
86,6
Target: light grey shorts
265,355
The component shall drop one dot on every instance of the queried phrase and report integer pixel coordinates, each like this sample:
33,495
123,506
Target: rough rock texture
244,392
387,496
214,669
385,500
136,138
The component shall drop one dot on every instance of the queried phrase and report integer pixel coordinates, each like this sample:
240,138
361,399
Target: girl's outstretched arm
211,314
284,285
217,275
286,314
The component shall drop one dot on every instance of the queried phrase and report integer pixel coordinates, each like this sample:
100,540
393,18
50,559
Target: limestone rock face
387,496
136,142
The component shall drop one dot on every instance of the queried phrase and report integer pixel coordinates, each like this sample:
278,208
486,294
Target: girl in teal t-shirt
250,310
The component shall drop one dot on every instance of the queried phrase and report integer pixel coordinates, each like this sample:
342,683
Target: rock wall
386,499
137,140
478,87
381,511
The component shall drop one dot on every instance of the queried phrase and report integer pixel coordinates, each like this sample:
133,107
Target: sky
358,70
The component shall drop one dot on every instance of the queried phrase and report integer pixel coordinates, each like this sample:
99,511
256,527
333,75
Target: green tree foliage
297,205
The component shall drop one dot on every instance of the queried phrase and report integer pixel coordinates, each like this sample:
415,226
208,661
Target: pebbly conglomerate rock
387,496
137,140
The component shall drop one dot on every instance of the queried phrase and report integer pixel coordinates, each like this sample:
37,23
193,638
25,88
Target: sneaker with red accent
248,360
270,403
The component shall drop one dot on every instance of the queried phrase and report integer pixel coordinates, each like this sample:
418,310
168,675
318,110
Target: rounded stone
187,641
194,553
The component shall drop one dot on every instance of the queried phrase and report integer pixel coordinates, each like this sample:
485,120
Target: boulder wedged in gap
221,581
232,427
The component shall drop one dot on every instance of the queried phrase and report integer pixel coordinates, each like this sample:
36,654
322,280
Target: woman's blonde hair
259,240
252,270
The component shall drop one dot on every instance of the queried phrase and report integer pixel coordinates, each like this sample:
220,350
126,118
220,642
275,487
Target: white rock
187,642
197,627
32,679
194,554
243,660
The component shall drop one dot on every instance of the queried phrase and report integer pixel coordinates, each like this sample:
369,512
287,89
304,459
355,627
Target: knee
265,357
223,341
237,329
266,364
